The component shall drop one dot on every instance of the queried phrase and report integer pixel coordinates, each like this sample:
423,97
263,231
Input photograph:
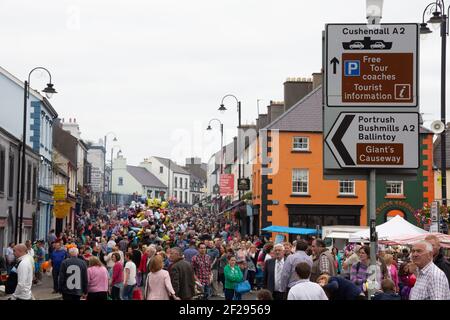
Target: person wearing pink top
158,285
390,264
97,280
117,277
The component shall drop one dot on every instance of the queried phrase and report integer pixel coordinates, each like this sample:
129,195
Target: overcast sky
154,72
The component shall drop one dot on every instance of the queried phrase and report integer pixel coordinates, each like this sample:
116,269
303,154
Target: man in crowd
431,283
303,288
190,252
39,258
123,244
10,257
438,256
340,288
56,258
214,253
323,262
201,264
73,277
23,274
129,281
273,270
289,275
181,275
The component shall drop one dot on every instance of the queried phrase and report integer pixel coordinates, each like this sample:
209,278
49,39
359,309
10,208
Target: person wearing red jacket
117,277
144,266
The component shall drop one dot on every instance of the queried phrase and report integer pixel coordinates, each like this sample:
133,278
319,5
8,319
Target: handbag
242,287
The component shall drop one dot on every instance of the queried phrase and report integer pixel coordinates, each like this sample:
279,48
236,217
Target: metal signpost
371,99
434,214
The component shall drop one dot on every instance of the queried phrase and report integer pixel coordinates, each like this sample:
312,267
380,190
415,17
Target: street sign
369,69
226,184
434,215
59,192
216,189
244,184
372,67
434,211
375,140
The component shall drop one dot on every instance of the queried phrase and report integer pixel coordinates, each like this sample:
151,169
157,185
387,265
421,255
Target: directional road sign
375,140
372,67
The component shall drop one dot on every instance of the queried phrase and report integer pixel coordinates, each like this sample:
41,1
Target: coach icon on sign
73,278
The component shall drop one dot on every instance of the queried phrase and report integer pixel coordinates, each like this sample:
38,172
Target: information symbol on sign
351,68
402,91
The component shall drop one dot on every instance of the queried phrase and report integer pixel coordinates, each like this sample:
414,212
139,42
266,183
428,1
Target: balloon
164,204
45,265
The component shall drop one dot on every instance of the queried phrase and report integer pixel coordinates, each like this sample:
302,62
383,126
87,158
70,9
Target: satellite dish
437,127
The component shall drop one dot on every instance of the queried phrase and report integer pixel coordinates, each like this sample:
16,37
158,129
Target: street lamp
111,180
439,17
221,140
104,160
49,91
223,109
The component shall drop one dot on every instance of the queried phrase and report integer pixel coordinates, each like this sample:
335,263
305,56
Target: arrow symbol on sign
334,62
337,139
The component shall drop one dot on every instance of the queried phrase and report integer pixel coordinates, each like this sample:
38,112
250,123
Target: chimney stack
296,89
317,79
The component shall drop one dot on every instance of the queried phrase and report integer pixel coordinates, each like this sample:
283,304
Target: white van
338,236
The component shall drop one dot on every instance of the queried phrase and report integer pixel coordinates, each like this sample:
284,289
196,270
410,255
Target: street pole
168,182
104,170
239,145
111,182
373,233
443,111
22,170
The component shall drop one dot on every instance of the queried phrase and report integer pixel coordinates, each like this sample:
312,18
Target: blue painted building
40,119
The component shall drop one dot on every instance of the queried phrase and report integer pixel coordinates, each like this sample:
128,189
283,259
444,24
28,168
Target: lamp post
221,140
223,109
439,17
111,180
49,91
104,160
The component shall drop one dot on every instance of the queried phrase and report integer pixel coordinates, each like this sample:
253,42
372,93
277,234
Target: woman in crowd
337,259
117,276
223,261
252,261
359,271
158,285
233,275
392,270
97,280
407,279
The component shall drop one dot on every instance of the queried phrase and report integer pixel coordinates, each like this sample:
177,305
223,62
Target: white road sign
372,67
375,140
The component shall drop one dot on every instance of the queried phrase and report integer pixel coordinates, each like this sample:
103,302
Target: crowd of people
164,252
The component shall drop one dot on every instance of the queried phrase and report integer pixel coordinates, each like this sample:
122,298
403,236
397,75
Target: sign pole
373,233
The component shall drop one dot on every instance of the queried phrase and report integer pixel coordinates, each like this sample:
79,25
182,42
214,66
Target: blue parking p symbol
351,68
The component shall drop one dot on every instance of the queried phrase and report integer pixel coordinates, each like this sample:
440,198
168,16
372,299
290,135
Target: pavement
43,291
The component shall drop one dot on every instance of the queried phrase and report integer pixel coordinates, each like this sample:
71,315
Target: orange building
288,184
